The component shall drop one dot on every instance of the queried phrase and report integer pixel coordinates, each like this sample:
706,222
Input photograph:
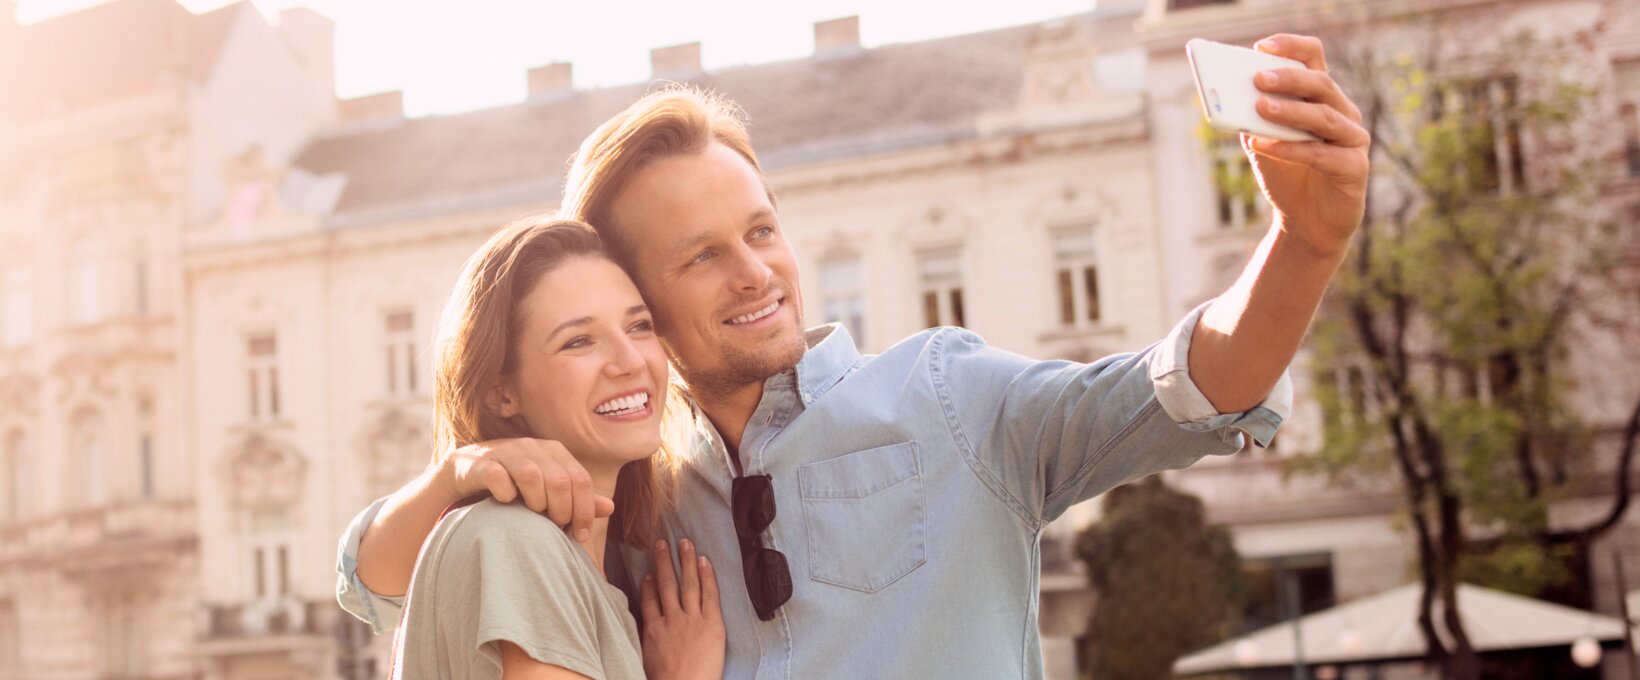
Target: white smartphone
1224,84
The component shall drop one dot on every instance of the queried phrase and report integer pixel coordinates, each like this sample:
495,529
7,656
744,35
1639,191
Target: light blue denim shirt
911,491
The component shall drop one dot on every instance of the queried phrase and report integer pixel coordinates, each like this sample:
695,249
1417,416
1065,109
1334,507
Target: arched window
19,477
88,444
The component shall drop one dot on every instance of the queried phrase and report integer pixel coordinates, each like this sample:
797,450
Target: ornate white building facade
218,287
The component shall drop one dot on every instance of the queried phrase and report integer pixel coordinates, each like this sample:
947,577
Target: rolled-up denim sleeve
1046,435
380,611
1189,408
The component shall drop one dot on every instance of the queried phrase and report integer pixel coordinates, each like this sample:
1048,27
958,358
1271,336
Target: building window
270,554
1626,77
1497,160
941,275
1235,188
140,286
88,443
17,307
1631,138
1076,276
1286,587
85,283
145,465
262,371
401,353
19,477
842,295
122,642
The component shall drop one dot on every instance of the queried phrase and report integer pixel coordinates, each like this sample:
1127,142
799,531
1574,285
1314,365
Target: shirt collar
830,356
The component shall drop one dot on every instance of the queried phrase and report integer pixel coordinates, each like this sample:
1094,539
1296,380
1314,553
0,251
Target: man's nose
750,272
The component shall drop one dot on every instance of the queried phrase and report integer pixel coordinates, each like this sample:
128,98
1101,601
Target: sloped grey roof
897,94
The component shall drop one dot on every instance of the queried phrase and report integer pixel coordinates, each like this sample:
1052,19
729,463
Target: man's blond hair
673,121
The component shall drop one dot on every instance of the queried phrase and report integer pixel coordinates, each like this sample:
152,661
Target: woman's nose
626,358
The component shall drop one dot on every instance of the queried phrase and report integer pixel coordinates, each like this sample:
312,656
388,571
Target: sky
448,56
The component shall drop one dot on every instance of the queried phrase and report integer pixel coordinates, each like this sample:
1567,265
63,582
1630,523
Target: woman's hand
540,471
683,634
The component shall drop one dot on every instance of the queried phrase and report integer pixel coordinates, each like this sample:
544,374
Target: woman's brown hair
477,346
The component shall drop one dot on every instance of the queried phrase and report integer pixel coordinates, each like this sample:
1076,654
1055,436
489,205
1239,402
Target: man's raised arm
1249,335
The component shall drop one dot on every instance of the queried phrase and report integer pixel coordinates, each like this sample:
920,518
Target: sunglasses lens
753,504
768,581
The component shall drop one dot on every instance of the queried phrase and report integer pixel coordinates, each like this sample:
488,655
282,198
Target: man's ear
501,400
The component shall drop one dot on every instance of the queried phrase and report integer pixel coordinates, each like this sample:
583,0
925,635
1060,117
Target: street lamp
1586,652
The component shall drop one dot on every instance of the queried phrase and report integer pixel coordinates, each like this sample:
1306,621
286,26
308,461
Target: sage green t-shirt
492,572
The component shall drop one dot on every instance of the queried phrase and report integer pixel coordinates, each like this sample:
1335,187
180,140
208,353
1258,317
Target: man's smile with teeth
748,318
631,403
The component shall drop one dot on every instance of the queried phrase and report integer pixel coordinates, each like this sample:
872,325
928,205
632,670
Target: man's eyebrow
688,247
759,215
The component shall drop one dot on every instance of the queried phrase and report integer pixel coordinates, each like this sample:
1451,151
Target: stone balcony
115,535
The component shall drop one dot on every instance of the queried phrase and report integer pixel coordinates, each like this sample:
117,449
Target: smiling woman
544,337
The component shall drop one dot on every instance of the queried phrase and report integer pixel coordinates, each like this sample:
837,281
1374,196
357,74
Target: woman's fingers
689,591
648,601
709,605
666,579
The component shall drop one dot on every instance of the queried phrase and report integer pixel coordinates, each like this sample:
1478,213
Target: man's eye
702,257
763,232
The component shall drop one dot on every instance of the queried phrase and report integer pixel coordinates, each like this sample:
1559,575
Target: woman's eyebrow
572,322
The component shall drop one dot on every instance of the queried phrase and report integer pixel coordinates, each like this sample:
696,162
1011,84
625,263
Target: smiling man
881,514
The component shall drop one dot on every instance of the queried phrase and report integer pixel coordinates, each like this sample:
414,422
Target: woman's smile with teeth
748,318
624,405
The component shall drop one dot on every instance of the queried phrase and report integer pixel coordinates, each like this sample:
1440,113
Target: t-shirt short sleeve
527,586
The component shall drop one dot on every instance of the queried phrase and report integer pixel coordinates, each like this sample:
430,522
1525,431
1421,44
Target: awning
1384,627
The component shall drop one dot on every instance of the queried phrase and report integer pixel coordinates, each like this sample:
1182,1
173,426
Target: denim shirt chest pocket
865,517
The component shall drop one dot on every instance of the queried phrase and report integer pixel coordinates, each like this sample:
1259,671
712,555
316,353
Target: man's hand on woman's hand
540,471
683,635
1319,189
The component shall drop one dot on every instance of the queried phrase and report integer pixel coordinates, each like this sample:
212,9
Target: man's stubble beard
740,368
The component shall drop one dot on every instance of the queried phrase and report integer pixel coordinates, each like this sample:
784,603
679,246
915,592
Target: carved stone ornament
264,473
396,448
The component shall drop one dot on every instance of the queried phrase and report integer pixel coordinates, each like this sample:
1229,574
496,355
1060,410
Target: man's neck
730,411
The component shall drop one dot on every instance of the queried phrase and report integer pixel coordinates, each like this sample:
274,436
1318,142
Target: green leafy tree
1166,581
1447,354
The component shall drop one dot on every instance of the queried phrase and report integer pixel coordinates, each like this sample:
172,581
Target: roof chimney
552,80
837,35
312,37
676,62
385,106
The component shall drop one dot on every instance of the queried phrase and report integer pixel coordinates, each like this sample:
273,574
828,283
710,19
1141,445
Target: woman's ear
501,400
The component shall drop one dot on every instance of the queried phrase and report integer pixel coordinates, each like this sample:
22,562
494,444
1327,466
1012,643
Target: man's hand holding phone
1318,188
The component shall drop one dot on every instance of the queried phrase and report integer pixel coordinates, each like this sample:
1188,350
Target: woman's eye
644,326
577,342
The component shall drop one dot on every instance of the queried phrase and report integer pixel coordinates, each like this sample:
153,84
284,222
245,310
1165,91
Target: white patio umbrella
1384,627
